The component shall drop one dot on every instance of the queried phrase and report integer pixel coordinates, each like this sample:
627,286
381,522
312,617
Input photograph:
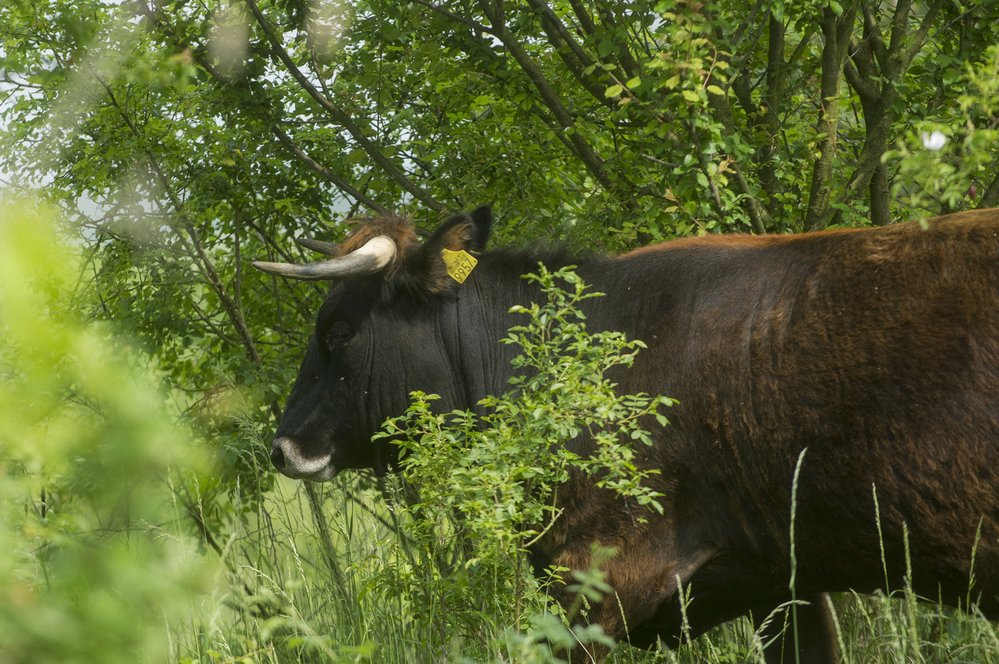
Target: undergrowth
279,601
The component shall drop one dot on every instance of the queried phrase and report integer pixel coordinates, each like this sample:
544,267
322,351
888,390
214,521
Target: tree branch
581,148
474,25
572,54
834,30
338,115
899,33
758,214
878,114
991,196
872,34
345,187
625,60
193,242
771,99
584,18
924,28
324,172
751,19
859,72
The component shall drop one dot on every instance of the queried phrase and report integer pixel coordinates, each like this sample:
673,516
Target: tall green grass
291,595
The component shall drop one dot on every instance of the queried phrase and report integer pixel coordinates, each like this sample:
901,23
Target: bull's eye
339,334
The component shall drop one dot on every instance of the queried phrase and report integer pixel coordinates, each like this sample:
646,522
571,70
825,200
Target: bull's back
878,351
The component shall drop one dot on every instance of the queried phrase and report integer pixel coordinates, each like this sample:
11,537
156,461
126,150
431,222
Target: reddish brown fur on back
887,233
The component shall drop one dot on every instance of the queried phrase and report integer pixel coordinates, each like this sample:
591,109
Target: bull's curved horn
327,248
373,256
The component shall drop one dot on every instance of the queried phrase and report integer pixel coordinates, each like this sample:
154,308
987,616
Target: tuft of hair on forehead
399,229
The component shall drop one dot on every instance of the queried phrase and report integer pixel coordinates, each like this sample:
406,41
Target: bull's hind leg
816,632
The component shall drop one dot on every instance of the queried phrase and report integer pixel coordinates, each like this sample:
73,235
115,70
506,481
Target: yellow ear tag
459,264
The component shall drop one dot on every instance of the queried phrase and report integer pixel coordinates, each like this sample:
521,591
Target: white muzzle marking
298,466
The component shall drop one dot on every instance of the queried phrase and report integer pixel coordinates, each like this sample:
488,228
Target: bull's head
378,337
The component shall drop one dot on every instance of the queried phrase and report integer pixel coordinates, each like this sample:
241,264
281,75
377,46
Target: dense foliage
184,138
179,139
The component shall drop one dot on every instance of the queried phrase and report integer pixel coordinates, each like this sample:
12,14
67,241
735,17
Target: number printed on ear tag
459,264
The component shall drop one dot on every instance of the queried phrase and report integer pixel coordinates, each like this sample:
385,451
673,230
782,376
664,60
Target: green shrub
482,487
92,565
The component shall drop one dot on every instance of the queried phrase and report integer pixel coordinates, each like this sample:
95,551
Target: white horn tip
382,248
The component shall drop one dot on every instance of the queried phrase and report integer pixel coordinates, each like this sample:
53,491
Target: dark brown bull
876,350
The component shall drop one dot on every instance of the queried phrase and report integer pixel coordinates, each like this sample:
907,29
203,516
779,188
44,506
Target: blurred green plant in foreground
93,565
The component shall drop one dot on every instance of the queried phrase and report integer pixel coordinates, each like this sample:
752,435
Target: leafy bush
483,486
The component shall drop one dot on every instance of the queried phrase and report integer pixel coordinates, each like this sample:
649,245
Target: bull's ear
448,257
463,232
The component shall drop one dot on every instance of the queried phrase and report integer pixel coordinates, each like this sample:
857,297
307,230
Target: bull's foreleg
816,633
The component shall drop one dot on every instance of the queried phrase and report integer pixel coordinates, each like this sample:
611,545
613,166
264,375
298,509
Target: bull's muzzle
287,457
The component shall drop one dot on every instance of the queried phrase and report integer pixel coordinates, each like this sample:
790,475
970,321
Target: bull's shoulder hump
960,223
708,242
733,241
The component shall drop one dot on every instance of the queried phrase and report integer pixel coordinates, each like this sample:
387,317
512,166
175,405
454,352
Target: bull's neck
483,318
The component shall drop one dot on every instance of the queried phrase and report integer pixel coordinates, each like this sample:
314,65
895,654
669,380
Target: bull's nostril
288,457
277,455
